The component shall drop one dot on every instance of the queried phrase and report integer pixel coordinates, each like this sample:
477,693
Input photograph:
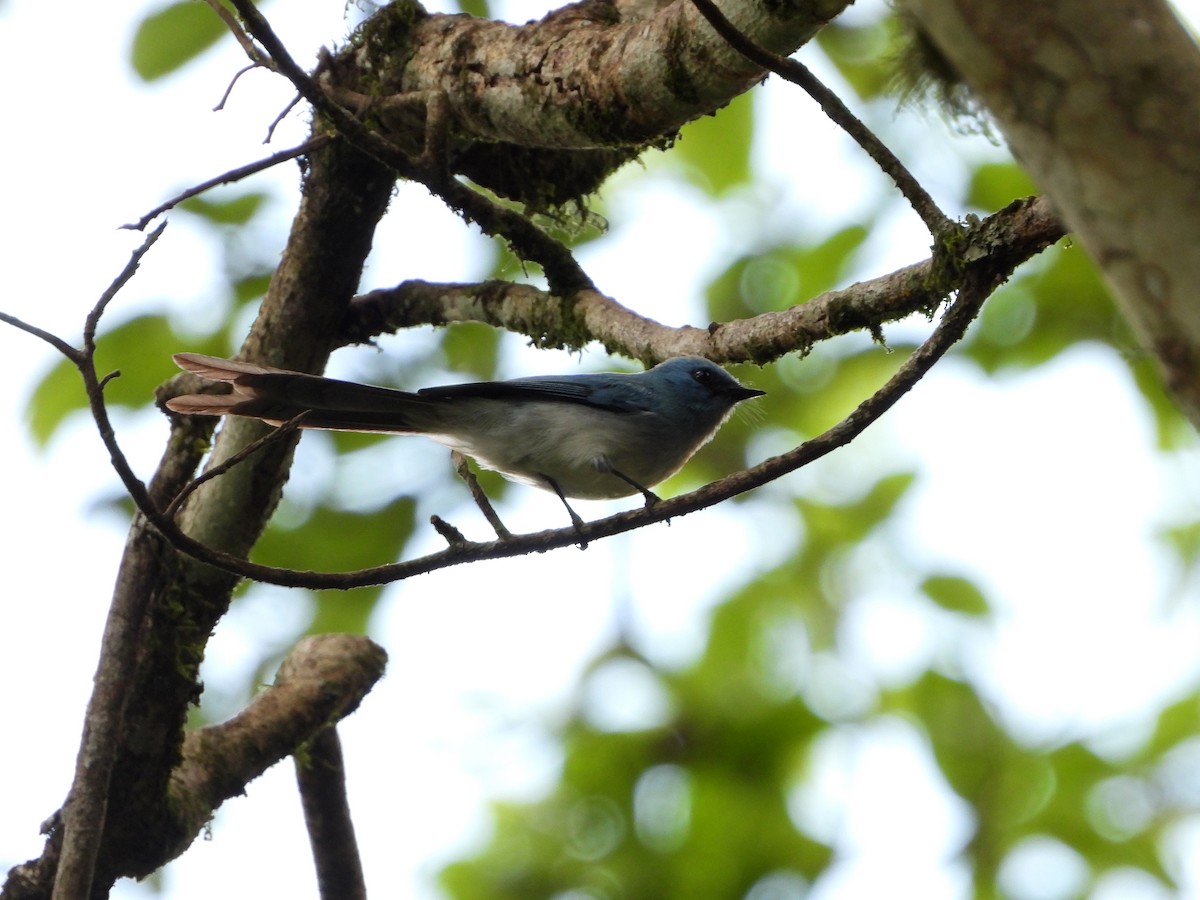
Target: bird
594,436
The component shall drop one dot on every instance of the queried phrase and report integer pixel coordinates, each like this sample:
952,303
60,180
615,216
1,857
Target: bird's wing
619,393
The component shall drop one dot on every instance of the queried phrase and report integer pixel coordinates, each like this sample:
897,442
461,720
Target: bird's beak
740,393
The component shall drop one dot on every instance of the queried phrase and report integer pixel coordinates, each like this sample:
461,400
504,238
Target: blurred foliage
478,8
698,806
714,151
856,51
123,348
173,36
783,276
235,210
716,800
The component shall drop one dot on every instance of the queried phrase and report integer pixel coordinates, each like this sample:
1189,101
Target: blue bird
594,436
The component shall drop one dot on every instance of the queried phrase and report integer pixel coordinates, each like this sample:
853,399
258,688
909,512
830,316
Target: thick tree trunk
1101,103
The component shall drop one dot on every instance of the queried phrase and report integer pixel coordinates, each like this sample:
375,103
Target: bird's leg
651,497
575,520
477,494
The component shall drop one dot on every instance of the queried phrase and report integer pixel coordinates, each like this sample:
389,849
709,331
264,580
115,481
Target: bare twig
257,57
321,776
1007,238
798,74
279,118
260,29
41,334
463,469
452,535
313,143
232,83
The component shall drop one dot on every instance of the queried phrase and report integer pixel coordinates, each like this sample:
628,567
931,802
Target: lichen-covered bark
582,77
543,112
1101,103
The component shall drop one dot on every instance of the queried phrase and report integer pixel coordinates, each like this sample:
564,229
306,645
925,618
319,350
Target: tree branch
344,195
232,175
322,681
998,246
639,79
1004,241
321,776
1097,100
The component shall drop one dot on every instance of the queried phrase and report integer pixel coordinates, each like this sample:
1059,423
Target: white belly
574,445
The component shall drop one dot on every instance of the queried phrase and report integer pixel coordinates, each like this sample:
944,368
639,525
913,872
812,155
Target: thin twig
452,535
93,317
260,29
798,74
463,470
275,123
321,777
245,453
53,340
951,328
313,143
257,57
232,82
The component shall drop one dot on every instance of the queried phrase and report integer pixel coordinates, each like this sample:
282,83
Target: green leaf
140,349
1184,539
477,8
861,54
344,612
783,276
831,526
236,210
57,395
995,185
1172,430
251,288
173,36
955,594
1060,302
472,347
716,149
337,540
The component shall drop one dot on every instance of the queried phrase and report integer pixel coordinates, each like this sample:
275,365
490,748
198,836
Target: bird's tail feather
277,395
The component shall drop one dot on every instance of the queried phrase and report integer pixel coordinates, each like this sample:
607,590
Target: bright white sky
1056,527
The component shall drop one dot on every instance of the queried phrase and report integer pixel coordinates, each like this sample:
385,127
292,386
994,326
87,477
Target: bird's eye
702,376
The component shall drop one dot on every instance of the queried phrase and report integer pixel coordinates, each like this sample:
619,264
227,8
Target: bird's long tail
277,395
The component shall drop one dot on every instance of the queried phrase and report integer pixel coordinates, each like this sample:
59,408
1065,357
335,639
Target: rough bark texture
1101,103
544,112
1009,237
